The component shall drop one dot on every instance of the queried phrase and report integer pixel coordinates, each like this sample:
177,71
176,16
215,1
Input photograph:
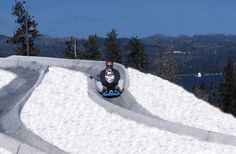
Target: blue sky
79,18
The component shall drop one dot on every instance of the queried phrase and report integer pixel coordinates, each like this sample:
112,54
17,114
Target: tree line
132,55
27,32
222,95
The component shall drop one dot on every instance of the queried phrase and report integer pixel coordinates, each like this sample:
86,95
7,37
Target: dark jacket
104,81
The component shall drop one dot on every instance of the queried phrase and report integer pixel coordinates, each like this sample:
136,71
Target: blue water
188,81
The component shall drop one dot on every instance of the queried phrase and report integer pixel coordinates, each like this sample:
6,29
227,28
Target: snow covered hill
4,151
173,103
61,112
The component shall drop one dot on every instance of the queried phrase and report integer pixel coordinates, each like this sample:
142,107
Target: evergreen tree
160,62
214,95
222,91
171,72
112,47
92,48
228,88
136,57
26,33
200,90
233,103
71,50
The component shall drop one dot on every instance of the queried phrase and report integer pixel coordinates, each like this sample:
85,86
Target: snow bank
61,112
5,77
4,151
175,104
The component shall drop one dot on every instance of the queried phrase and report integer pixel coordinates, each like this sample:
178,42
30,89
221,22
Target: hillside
49,104
198,53
75,123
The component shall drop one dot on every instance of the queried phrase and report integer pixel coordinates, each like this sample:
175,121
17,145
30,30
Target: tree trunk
27,36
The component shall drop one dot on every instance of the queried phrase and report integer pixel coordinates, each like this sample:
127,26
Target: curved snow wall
17,147
90,67
14,99
93,68
18,99
10,119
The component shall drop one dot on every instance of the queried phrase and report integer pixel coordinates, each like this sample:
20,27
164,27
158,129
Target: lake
188,81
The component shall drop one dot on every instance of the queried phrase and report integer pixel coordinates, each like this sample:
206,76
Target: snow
4,151
5,77
61,112
173,103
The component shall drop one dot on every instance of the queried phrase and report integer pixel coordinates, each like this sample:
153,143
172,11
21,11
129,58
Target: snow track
13,97
125,106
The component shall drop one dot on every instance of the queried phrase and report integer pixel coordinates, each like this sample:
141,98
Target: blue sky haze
79,18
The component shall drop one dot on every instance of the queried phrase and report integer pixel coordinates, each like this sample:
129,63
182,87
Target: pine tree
222,91
26,33
200,90
171,72
233,103
160,62
112,47
92,48
228,88
71,50
214,95
136,57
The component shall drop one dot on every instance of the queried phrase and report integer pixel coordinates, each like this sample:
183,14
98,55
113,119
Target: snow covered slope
4,151
175,104
5,77
61,112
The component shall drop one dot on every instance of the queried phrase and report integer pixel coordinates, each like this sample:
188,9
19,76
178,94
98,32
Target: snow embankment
4,151
61,112
6,77
173,103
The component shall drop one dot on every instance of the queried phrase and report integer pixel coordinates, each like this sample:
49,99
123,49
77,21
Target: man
110,79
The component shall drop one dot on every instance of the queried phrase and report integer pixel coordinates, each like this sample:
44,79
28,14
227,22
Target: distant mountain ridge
202,53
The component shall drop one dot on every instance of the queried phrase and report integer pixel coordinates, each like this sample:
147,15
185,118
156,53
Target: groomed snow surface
4,151
5,77
61,112
173,103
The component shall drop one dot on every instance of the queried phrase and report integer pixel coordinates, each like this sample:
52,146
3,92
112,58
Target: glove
117,88
104,89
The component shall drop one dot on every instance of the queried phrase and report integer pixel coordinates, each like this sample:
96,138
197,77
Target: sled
111,93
